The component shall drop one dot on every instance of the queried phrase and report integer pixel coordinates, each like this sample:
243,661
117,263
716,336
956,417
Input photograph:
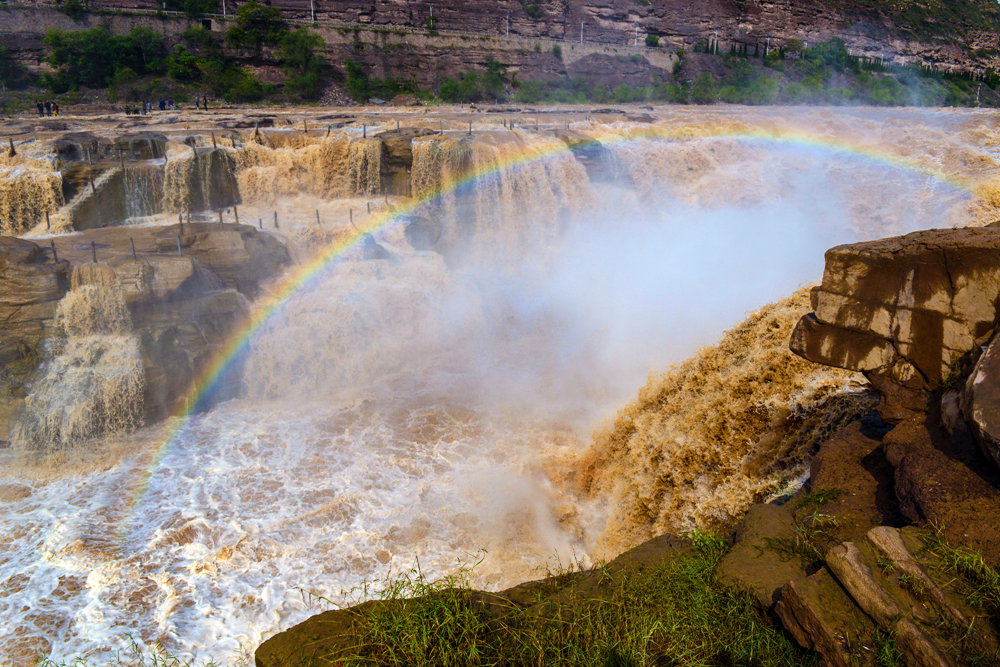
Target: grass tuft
671,613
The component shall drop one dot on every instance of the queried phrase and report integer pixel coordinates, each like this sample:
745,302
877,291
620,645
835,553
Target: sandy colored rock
904,310
981,400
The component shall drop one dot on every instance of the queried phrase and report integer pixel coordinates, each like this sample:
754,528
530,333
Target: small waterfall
28,188
92,383
142,187
332,167
205,180
365,163
515,203
117,195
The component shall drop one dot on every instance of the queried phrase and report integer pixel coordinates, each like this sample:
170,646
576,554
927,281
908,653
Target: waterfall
204,180
335,166
365,162
28,188
142,187
92,381
513,204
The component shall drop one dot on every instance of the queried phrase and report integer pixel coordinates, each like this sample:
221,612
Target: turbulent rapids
455,384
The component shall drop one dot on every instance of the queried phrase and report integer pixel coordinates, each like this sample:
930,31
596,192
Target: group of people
47,108
166,104
147,107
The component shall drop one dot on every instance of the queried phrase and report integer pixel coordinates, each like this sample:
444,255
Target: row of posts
180,230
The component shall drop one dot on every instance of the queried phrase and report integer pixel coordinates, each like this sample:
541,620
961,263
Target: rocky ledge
899,512
186,289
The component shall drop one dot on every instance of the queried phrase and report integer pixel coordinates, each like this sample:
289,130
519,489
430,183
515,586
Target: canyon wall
392,38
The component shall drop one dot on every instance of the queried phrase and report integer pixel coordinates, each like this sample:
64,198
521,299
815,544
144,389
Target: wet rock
821,616
851,468
946,483
397,158
82,147
600,163
31,285
981,400
141,146
904,311
753,564
421,233
240,255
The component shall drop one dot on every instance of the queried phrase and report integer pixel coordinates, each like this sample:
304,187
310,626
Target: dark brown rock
821,616
31,285
946,483
753,564
239,255
852,468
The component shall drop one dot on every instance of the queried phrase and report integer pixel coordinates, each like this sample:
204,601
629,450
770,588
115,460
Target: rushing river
434,407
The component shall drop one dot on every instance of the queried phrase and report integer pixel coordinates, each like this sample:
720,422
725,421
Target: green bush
256,26
302,66
652,40
72,8
92,57
704,90
557,51
12,73
193,8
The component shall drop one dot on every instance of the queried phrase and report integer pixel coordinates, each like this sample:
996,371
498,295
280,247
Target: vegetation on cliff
143,64
657,604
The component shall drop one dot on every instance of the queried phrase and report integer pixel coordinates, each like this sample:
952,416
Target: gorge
309,349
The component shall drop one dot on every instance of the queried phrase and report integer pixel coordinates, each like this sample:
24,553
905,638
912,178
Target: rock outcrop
183,305
916,315
31,285
905,311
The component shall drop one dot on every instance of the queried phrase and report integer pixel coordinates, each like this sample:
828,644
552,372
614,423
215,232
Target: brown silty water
456,381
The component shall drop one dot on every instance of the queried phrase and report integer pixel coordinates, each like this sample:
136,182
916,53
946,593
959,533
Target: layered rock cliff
186,290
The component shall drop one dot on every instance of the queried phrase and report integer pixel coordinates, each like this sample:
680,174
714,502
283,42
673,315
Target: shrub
256,26
652,40
704,90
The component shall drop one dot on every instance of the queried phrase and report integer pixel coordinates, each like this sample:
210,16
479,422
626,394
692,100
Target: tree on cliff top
302,65
256,26
92,57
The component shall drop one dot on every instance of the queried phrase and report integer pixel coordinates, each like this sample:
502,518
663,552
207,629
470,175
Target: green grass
671,613
977,580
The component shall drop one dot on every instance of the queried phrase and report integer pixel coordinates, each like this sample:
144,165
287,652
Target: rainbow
306,274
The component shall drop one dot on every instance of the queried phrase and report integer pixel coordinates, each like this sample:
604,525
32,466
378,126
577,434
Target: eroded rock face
238,254
183,306
904,311
31,285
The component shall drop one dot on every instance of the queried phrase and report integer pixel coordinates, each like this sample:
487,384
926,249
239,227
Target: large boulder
904,311
981,400
753,564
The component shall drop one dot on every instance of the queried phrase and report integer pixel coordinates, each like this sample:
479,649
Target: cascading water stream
92,383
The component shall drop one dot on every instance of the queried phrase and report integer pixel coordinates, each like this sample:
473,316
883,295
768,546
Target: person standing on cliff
41,107
48,107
